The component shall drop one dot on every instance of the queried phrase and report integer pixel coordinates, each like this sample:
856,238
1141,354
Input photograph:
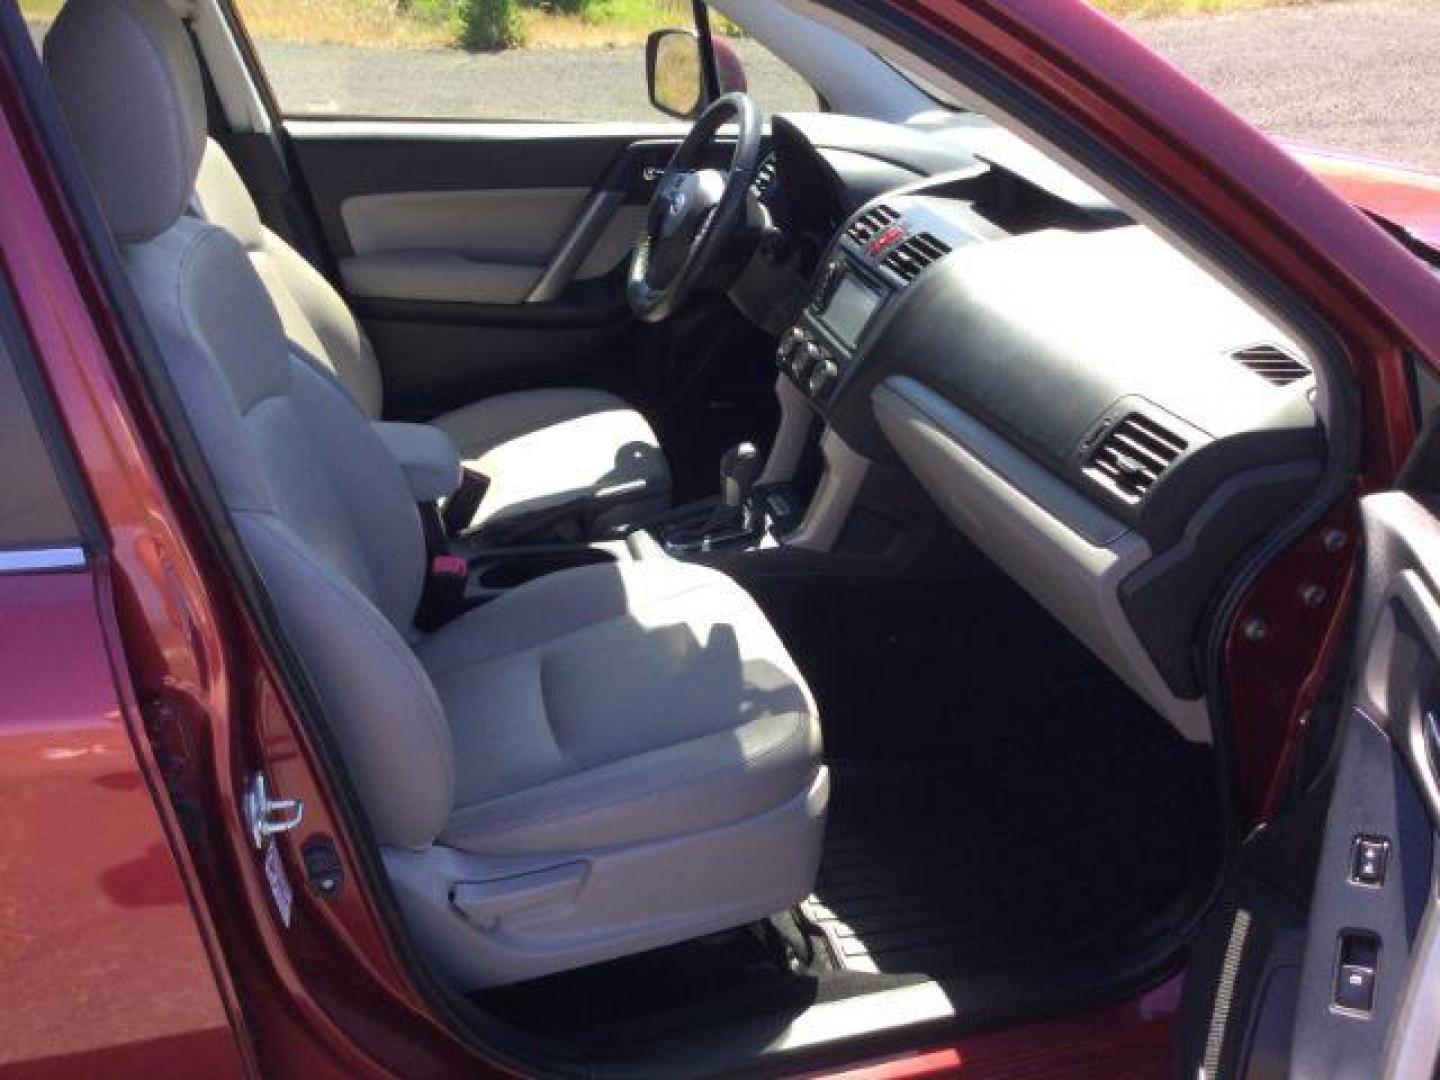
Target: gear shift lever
739,469
733,521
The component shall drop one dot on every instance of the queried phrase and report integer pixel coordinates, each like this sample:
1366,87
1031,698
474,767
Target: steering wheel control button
1368,861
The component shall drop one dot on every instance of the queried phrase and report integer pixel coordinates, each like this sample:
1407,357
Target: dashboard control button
1367,866
804,360
789,342
823,377
826,282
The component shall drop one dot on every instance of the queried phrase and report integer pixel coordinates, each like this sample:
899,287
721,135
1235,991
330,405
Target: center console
881,251
801,497
860,287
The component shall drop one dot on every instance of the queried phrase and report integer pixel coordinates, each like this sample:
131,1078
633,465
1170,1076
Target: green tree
490,24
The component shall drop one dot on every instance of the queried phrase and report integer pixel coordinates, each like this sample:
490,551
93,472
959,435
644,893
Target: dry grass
619,23
607,24
364,23
40,10
1148,9
547,31
378,24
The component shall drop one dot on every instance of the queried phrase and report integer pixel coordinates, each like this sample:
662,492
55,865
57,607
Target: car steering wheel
694,211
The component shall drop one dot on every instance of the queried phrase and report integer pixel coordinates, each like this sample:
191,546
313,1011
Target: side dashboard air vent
912,255
1133,455
871,224
1274,365
766,178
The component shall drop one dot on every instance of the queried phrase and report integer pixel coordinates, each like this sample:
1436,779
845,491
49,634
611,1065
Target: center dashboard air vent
1133,455
871,224
911,256
1273,364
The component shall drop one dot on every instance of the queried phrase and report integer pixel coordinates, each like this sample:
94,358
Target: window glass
1353,75
567,60
34,512
774,84
38,15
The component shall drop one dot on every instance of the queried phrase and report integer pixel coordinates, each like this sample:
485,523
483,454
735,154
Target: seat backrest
318,503
315,316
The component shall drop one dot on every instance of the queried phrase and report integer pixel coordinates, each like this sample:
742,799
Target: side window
557,60
34,512
38,15
774,84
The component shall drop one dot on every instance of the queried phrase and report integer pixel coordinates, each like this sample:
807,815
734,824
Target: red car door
106,970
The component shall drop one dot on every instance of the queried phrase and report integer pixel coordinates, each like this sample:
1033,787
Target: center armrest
426,455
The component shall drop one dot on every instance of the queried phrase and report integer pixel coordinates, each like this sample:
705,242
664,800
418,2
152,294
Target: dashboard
1104,419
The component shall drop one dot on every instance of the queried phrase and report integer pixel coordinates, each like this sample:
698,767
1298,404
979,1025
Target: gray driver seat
609,759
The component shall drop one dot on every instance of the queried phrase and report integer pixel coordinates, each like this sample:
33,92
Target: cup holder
511,571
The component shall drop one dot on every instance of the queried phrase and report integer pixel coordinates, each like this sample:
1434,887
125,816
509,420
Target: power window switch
1368,859
1355,988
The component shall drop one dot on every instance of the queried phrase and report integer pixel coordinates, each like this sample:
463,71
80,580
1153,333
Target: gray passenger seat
606,760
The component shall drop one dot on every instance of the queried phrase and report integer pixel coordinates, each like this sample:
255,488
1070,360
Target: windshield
1360,76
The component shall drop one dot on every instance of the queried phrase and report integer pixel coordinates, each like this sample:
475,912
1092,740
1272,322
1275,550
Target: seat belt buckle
449,566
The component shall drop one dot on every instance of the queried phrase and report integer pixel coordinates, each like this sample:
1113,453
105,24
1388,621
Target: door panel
1311,968
1360,937
346,159
488,247
1398,691
484,257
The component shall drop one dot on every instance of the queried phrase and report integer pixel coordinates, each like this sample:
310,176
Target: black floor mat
640,1000
1001,806
1059,829
999,797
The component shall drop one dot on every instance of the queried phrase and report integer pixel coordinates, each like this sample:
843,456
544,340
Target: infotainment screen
850,308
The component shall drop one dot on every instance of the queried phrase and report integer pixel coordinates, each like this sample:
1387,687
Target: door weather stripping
267,817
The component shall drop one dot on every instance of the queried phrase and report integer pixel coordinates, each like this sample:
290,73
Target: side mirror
675,74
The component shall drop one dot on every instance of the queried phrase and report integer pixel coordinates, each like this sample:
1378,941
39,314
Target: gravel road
522,84
1362,75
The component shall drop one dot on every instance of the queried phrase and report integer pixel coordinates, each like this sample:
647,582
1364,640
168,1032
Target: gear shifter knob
739,469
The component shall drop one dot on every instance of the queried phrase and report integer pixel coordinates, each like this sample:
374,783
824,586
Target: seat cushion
613,704
543,449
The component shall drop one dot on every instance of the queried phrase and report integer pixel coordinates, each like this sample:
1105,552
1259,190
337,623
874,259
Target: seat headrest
129,85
